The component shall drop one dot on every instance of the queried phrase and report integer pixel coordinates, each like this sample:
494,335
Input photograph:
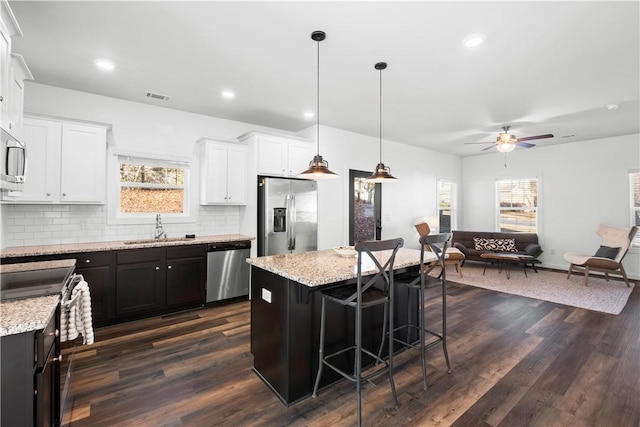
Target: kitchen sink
166,239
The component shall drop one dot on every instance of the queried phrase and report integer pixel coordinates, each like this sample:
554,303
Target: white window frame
633,210
116,217
454,202
499,209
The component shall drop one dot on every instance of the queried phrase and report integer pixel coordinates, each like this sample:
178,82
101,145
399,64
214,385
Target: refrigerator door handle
293,223
287,205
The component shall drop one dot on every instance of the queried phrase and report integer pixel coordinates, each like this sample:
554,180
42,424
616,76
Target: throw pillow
607,252
497,245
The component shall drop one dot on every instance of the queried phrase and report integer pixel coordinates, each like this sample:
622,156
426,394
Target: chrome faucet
159,231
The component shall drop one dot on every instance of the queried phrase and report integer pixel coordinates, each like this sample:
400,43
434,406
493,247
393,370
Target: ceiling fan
506,142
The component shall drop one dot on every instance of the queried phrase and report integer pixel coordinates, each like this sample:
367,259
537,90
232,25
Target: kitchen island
285,315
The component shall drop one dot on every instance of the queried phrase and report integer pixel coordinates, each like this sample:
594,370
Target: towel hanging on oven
76,315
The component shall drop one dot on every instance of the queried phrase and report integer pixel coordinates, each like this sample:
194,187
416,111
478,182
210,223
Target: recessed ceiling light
105,65
473,40
308,114
227,94
612,106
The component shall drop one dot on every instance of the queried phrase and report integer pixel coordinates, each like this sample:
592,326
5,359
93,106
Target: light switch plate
266,295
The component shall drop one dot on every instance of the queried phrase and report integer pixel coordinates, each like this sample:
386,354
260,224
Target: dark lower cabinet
186,275
135,283
98,270
30,365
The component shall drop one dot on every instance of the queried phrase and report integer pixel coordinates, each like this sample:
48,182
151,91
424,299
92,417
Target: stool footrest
351,377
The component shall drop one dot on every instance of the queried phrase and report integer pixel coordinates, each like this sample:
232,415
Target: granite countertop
321,267
29,314
25,315
20,251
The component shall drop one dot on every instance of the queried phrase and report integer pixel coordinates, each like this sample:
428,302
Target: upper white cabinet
66,162
280,155
19,73
11,70
223,173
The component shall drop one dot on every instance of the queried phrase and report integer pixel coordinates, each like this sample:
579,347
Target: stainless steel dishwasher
227,270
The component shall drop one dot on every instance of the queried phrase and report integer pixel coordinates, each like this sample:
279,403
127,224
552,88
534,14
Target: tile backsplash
26,225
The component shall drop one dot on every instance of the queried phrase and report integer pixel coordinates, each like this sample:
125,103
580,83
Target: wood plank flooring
516,362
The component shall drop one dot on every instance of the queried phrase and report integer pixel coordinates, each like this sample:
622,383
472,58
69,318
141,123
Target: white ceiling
546,67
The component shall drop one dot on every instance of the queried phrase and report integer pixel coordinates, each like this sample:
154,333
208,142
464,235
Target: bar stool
365,295
420,283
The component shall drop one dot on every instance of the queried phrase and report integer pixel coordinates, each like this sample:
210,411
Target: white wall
583,184
144,128
405,202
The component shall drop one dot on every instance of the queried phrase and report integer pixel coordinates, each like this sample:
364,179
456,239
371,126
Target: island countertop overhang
317,268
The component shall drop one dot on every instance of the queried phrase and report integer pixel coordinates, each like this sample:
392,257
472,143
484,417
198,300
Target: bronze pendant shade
318,167
381,173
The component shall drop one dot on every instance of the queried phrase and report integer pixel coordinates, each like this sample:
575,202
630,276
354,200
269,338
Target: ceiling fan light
381,174
506,147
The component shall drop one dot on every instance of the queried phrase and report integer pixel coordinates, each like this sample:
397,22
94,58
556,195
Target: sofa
523,243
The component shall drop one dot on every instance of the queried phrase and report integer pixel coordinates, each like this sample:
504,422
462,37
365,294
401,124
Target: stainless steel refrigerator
287,216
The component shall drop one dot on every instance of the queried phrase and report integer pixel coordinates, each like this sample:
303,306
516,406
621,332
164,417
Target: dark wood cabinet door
98,270
186,281
139,288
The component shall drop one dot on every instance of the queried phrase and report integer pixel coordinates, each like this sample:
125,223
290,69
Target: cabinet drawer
191,251
139,255
45,340
92,259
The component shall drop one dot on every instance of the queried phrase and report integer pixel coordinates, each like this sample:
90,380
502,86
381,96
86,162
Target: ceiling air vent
156,96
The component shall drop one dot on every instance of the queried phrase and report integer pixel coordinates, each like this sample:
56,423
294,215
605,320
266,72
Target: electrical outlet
84,224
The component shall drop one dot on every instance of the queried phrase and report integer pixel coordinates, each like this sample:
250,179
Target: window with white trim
634,197
517,205
447,206
149,186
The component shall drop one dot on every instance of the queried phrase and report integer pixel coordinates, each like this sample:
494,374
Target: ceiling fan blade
530,138
489,148
479,142
525,144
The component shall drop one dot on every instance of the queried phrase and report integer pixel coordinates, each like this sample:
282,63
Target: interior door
365,201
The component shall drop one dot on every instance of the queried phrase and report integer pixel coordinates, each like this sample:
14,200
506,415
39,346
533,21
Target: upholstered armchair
608,258
453,256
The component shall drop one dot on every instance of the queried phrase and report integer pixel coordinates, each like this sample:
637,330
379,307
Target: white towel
76,319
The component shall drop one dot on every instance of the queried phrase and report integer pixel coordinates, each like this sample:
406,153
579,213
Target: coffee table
506,259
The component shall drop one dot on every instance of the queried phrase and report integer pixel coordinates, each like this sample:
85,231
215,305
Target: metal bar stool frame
364,296
420,283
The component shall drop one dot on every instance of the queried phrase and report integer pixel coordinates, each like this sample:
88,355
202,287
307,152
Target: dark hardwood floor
516,362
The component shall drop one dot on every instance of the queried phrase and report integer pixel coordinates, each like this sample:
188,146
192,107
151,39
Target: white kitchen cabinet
66,162
280,155
223,173
8,28
18,74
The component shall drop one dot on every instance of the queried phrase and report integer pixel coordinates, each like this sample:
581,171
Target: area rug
606,297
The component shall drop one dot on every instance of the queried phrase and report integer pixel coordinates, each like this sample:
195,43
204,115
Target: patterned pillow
497,245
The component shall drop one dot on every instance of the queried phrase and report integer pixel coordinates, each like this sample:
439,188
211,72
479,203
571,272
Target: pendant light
382,173
318,167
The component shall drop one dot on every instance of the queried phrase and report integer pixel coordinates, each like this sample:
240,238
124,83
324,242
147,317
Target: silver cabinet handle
48,194
157,268
169,267
64,194
54,334
58,359
87,261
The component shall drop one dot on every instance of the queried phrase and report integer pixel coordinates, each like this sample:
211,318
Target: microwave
13,162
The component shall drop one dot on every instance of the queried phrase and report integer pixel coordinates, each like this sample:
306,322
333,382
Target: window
150,186
447,206
517,205
634,197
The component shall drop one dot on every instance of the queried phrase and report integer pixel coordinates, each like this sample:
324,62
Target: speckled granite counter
20,251
323,267
29,314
